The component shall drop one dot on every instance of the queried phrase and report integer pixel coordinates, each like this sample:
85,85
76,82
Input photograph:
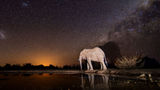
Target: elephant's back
94,53
98,51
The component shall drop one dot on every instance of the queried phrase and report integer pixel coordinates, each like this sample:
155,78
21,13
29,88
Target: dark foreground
76,80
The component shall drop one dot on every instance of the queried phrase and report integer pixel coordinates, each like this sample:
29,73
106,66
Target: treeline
29,66
143,62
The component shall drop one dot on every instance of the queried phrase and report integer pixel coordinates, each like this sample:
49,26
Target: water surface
61,81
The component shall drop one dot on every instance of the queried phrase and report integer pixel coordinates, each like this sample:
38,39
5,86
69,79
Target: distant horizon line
39,64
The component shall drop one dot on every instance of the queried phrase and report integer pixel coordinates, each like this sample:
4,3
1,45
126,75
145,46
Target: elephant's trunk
80,62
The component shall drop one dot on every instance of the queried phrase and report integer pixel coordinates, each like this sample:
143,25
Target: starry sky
55,31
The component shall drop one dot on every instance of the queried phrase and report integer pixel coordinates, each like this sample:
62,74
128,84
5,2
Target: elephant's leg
82,81
101,66
105,80
90,64
92,81
104,66
87,66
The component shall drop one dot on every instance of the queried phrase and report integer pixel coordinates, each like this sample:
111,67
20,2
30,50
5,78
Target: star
25,4
2,35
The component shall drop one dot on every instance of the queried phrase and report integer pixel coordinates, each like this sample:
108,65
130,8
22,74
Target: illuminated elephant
96,54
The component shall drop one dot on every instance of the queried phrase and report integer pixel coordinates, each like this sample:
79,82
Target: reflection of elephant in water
95,54
101,81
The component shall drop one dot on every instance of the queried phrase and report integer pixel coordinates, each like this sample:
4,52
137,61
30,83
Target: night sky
55,31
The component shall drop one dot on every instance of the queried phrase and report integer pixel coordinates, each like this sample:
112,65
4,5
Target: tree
7,67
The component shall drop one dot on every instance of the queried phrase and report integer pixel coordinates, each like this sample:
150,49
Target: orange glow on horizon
45,60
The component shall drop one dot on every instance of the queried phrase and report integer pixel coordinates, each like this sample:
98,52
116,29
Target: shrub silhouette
126,62
112,52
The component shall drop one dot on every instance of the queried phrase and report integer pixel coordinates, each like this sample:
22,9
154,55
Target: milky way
58,29
139,32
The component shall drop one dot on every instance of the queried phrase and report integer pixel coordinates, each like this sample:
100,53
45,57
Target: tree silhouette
27,66
112,52
16,67
7,67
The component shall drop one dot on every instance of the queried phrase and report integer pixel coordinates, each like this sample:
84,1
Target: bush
126,62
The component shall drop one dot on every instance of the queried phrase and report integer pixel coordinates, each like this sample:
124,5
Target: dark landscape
79,44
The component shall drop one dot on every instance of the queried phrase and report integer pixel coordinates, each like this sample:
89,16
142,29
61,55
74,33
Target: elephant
95,54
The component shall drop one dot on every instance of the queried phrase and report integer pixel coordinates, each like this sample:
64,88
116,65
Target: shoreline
109,71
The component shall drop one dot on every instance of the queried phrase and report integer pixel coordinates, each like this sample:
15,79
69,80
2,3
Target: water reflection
39,81
27,74
94,81
114,82
54,81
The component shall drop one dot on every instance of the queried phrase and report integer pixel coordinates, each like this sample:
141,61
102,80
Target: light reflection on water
52,81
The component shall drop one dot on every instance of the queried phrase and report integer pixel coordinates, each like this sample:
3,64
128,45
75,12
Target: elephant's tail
105,61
